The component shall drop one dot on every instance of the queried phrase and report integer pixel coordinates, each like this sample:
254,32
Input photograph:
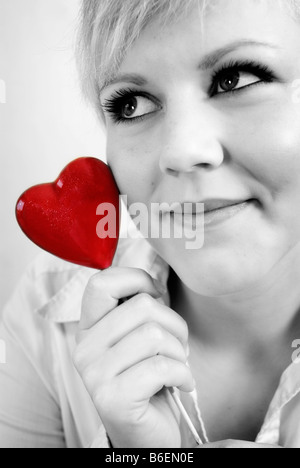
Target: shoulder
28,337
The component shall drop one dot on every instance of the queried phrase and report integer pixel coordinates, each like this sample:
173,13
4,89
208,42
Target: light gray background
44,123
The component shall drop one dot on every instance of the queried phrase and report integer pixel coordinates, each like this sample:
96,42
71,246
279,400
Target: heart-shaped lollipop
64,217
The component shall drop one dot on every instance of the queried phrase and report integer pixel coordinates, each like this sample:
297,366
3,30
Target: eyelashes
234,68
223,84
116,105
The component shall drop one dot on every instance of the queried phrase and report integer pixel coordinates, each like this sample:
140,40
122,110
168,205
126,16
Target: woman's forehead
205,14
232,24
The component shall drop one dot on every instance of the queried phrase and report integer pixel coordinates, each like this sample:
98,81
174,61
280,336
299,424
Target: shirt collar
288,389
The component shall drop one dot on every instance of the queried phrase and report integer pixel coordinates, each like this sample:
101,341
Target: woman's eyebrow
210,60
132,78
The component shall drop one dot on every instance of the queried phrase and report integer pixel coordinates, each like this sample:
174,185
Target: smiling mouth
212,213
207,207
216,205
215,216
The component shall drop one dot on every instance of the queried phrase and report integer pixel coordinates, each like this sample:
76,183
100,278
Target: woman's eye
234,80
130,106
136,106
238,75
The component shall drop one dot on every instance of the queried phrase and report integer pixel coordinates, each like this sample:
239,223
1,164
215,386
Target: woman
199,101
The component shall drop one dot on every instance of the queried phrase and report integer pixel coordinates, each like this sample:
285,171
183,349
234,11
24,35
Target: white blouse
43,402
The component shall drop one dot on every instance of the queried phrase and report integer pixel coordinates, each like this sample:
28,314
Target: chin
222,275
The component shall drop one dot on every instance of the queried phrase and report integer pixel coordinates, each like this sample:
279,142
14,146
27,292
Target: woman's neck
266,316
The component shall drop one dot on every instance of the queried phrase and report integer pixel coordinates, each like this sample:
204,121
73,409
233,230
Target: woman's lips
213,213
216,216
216,204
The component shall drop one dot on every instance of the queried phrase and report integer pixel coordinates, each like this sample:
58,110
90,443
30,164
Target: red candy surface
60,217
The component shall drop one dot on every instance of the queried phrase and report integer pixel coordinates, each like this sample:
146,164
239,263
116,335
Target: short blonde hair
109,27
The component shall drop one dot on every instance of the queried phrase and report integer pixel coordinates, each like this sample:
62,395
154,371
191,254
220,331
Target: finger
106,288
143,343
146,379
131,315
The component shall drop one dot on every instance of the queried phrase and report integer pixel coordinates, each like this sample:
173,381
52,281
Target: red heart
61,217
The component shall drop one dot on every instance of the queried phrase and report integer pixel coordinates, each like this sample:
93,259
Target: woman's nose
191,144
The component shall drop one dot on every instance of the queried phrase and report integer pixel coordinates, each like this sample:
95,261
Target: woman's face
214,114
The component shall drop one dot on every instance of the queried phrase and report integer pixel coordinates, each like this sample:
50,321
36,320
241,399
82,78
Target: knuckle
104,397
154,332
96,282
143,300
160,365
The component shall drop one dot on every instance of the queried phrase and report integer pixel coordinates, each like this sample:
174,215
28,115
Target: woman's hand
127,354
234,444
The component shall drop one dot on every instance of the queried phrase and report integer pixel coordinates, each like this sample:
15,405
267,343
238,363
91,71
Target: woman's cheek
272,151
272,157
134,169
